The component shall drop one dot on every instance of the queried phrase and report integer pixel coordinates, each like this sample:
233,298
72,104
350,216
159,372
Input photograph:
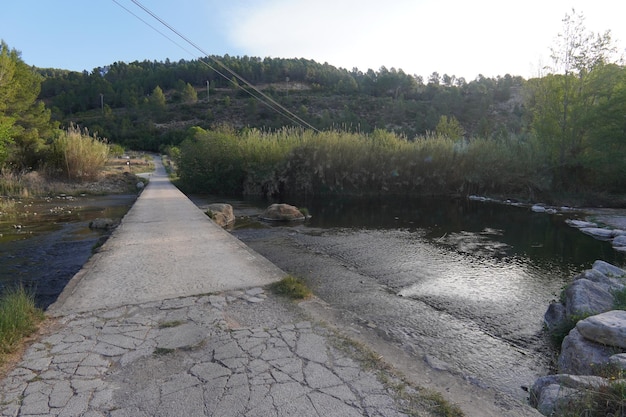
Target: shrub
210,161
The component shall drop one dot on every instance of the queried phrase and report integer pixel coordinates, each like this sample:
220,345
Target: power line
261,97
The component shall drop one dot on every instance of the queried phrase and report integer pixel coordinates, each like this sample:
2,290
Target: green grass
18,318
291,287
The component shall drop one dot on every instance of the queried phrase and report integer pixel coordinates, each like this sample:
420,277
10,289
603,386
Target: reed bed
303,162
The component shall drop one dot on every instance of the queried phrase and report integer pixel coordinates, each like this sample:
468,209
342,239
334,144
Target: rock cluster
597,341
616,236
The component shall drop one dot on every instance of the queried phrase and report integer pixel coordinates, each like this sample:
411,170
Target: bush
210,161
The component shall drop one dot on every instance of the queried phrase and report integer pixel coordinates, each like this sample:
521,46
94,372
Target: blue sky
455,37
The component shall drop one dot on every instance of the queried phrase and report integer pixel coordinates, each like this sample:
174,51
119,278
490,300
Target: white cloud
454,37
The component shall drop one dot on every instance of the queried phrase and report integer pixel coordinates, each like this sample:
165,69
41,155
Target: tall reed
303,162
79,154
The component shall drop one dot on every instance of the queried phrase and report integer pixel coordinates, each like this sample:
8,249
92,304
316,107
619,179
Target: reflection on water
48,240
466,283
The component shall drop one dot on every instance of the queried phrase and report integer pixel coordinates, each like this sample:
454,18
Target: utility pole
102,102
207,91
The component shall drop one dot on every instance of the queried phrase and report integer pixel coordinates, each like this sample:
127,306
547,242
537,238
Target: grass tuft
18,318
169,324
291,287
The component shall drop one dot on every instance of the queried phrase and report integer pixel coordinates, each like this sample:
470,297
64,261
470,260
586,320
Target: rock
221,213
538,209
599,233
619,243
282,213
585,297
580,223
619,361
140,185
102,224
555,315
607,328
580,356
608,269
609,283
549,393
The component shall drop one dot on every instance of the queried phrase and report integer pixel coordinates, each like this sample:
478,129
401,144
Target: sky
455,37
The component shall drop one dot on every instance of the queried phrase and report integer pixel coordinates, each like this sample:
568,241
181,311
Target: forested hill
148,105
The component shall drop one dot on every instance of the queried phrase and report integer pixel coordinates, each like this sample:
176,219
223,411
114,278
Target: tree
562,102
6,138
24,121
157,99
189,95
449,127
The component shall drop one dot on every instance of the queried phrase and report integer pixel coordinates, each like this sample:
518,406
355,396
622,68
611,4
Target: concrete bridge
172,317
164,248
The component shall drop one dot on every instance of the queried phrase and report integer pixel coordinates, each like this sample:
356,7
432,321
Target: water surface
46,241
460,284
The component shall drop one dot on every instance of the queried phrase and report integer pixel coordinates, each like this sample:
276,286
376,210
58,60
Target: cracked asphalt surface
192,357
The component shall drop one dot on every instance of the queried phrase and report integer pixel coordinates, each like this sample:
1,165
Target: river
48,240
462,285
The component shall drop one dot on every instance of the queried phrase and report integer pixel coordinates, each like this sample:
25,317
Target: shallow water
48,240
463,285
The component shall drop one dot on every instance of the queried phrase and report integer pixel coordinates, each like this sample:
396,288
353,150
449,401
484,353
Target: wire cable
260,96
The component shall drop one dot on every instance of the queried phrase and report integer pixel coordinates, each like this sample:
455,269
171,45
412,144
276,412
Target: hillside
120,101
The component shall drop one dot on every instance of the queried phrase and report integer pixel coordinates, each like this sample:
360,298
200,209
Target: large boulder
606,279
221,213
580,356
607,328
282,213
585,297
